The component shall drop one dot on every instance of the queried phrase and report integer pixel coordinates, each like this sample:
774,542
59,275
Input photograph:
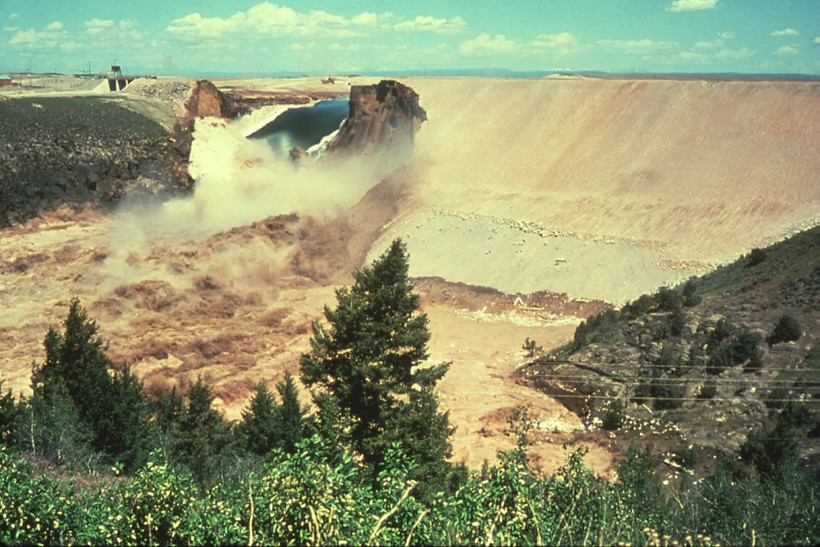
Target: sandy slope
697,171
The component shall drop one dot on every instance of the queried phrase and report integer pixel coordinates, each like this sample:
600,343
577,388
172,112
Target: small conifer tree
290,416
257,430
203,434
369,360
76,365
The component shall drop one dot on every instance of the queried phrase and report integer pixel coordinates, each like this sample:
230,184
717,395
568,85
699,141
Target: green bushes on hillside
670,302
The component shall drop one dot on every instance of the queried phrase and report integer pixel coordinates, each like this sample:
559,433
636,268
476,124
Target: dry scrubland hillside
601,189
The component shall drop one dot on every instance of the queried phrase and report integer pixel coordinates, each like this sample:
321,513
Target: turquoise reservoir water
303,127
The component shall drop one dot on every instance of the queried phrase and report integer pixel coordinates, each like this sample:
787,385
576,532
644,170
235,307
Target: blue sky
206,37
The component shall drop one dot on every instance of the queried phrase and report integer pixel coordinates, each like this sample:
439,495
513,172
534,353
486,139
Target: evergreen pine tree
111,412
127,431
168,411
290,416
257,431
203,435
367,360
76,366
428,431
10,414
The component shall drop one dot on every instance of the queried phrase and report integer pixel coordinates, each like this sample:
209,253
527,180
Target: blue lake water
303,127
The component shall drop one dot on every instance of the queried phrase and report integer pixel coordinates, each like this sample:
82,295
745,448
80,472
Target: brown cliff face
384,116
205,101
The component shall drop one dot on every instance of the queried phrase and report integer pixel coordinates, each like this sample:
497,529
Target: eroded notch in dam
303,127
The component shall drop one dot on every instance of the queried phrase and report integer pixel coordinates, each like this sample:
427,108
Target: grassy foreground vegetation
369,467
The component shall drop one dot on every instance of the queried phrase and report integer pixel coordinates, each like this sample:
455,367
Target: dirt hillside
673,175
601,189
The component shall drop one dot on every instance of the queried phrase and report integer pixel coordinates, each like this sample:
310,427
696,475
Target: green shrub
733,350
689,293
594,328
756,256
668,299
708,390
755,361
787,329
767,448
613,416
687,455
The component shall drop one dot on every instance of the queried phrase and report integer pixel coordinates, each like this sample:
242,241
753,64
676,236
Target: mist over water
240,180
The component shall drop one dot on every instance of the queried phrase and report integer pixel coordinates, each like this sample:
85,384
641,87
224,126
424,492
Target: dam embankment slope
699,171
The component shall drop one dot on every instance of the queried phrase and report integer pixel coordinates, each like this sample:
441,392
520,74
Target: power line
649,397
685,380
614,368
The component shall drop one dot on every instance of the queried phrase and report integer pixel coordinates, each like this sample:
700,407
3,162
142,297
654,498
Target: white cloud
785,32
817,40
563,42
303,47
369,19
716,43
272,20
48,37
24,37
194,24
72,46
742,53
344,47
486,43
691,5
637,46
96,26
694,56
711,44
424,23
268,19
787,51
14,15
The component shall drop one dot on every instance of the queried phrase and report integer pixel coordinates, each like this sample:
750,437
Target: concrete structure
118,83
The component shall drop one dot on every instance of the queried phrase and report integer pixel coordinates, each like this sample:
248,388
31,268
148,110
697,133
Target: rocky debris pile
171,92
70,150
382,117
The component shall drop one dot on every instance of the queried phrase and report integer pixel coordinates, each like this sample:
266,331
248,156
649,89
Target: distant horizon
249,37
444,73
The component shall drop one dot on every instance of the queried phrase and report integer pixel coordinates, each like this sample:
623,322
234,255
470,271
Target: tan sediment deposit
598,188
694,171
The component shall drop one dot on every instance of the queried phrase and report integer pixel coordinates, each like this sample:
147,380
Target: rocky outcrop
382,117
702,364
58,150
204,101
